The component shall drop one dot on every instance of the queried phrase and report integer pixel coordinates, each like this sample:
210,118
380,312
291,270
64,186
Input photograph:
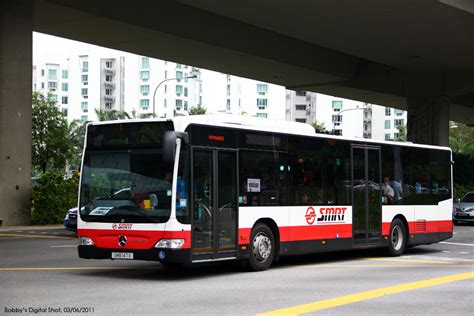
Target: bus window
338,170
440,170
262,178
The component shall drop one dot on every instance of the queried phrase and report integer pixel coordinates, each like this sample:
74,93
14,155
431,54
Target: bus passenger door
366,195
214,229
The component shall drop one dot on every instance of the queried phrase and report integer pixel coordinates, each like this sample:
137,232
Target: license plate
122,255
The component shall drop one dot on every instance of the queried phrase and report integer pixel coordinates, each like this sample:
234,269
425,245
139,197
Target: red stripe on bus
136,239
424,227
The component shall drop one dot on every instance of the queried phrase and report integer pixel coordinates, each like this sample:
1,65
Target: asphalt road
41,273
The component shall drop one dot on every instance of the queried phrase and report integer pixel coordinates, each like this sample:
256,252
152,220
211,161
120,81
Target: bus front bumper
164,255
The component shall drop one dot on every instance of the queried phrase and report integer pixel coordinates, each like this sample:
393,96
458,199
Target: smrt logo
122,226
331,215
310,215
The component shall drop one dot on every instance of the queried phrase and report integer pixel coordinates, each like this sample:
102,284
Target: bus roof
260,124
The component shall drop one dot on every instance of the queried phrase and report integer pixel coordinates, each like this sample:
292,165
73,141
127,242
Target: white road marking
43,232
63,246
456,244
446,251
464,253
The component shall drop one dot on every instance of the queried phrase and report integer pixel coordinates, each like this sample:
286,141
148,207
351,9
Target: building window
85,66
387,136
53,97
145,75
388,111
145,62
179,104
108,64
387,124
65,74
398,112
301,93
396,136
52,74
228,90
398,123
83,118
179,90
42,85
227,77
52,86
166,74
64,100
185,105
84,79
144,89
84,92
337,119
227,105
262,115
108,78
64,111
301,107
108,105
84,106
185,92
300,120
144,103
337,105
262,89
179,75
261,102
166,89
64,86
42,72
178,66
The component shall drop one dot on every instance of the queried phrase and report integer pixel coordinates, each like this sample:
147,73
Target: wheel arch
405,222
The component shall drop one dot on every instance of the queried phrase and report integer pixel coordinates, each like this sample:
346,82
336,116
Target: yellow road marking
409,260
75,268
36,236
362,296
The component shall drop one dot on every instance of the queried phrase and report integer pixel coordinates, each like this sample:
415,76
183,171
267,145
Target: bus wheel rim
397,237
262,247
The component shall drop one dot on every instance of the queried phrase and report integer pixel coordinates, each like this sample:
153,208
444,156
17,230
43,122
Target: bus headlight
85,241
170,243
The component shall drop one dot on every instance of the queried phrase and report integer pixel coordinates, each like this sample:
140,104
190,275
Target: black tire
397,238
262,248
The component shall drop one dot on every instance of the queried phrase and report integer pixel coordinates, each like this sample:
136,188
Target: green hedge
52,197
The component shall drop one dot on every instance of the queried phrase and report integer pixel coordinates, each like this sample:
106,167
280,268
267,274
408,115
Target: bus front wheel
397,238
262,248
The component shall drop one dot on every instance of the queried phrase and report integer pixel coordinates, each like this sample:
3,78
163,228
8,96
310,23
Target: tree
461,139
197,110
402,133
111,115
318,127
137,115
51,144
77,132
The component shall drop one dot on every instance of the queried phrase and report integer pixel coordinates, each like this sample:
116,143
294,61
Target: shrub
52,197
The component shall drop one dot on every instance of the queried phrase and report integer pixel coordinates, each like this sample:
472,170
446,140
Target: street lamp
194,75
339,113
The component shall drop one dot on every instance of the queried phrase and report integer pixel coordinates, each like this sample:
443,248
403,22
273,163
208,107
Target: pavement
40,273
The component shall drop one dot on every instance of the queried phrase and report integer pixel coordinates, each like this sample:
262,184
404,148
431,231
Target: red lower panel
429,227
296,233
136,239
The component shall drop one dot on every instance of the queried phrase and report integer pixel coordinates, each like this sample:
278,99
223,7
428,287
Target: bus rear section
127,196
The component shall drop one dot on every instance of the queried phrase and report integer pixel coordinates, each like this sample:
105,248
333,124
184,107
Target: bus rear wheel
262,248
397,238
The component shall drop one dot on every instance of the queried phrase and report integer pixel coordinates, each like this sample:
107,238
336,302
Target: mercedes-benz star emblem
122,241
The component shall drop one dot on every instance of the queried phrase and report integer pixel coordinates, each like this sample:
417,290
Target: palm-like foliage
111,115
318,127
197,110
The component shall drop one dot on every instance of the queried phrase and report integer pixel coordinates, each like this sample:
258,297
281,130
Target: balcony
109,71
108,84
109,98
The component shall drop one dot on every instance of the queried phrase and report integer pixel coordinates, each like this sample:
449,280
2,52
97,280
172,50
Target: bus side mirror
169,144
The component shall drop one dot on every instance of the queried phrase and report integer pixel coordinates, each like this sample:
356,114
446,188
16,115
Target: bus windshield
129,186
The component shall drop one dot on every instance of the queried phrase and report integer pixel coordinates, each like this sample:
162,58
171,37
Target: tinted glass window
338,170
262,178
213,137
263,141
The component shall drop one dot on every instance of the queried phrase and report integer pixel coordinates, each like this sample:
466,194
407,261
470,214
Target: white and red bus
211,188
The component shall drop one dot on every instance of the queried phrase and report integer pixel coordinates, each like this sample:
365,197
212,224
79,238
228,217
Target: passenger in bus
387,191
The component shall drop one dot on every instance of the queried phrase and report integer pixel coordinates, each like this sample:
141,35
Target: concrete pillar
16,23
428,120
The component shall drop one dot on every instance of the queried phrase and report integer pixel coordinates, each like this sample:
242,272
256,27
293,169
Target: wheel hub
262,247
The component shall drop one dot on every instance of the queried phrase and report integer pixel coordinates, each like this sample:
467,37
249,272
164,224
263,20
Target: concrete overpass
413,55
